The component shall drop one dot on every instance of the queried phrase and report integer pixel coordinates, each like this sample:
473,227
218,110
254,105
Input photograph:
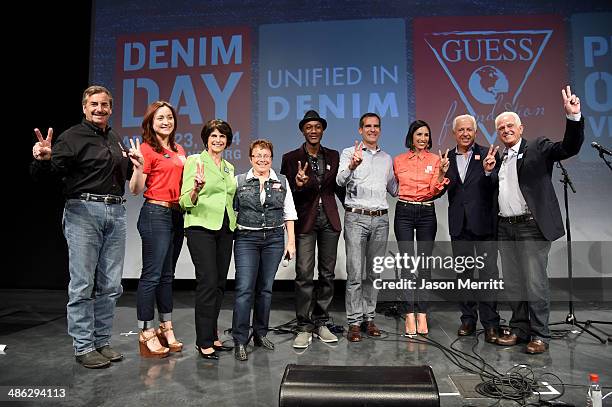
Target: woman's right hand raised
199,180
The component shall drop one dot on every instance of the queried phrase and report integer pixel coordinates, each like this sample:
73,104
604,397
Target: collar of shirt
272,175
468,152
95,128
412,154
377,150
515,148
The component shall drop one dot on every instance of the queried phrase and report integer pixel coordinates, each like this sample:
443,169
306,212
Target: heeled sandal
145,352
421,331
175,346
410,332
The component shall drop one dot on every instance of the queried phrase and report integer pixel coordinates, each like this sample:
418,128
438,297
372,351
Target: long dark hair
148,134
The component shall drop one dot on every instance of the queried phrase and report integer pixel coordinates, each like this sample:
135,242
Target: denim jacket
251,213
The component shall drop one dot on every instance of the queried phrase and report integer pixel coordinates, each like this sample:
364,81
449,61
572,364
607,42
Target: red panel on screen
486,65
205,74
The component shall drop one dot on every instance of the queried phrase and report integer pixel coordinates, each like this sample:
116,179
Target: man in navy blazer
471,222
311,172
530,219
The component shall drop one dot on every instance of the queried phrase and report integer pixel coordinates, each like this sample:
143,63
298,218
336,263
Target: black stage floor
39,353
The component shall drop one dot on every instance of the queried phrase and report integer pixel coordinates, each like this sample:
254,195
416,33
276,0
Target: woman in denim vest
207,197
265,209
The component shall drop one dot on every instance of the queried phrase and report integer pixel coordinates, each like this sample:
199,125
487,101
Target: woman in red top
160,225
420,175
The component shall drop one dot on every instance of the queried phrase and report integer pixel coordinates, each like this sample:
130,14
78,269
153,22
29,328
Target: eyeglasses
262,156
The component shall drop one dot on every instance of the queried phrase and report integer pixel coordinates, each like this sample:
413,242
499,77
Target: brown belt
170,205
378,212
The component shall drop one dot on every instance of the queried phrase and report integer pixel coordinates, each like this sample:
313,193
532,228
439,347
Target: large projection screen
261,65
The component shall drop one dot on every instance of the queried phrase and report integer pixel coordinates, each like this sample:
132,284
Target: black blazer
306,199
534,167
471,202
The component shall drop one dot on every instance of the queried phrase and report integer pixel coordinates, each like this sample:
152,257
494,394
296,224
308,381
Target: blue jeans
161,232
365,237
95,233
409,219
257,254
524,257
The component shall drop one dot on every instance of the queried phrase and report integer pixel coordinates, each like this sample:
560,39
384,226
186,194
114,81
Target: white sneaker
302,340
325,335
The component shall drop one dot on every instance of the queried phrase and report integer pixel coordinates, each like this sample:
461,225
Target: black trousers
312,299
211,252
485,302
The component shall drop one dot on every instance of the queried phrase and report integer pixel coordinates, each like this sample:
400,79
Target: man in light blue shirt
367,174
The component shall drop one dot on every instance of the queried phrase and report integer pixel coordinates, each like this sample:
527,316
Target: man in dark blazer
530,219
471,222
311,171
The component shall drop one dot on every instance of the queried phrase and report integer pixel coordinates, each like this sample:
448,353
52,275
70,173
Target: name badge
276,186
428,169
477,157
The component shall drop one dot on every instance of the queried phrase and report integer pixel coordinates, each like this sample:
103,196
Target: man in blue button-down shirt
367,174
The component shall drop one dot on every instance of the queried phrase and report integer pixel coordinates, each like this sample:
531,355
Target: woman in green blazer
207,196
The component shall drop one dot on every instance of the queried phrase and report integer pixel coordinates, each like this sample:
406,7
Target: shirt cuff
440,185
574,117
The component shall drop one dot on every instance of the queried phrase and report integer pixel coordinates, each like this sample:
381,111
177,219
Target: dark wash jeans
419,220
257,254
161,232
312,299
524,256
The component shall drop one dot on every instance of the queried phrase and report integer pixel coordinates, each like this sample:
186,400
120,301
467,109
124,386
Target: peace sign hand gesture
135,154
444,164
571,102
357,157
489,161
199,180
301,178
42,149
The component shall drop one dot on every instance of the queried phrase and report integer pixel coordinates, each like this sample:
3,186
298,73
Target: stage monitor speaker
316,386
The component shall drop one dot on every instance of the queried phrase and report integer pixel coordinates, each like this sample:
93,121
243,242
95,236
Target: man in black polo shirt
94,166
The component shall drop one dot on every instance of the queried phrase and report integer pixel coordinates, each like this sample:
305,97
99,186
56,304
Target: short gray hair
464,116
517,119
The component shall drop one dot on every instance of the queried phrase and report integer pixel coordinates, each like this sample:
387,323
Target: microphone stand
571,319
601,154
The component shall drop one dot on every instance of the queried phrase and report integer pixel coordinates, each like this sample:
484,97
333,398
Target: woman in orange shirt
420,175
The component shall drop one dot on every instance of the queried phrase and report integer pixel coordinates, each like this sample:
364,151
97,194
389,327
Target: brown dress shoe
536,346
372,329
491,335
507,340
354,333
466,329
